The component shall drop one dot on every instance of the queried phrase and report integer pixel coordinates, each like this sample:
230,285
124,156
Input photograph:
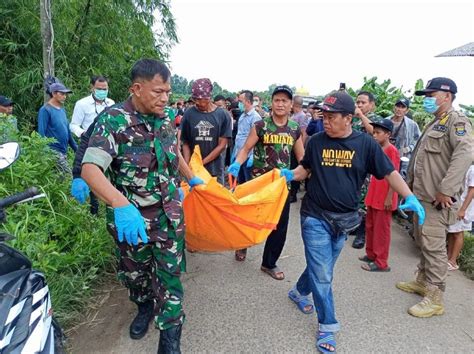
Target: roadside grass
466,259
62,239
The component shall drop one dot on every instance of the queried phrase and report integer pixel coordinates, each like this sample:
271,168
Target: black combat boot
139,325
169,341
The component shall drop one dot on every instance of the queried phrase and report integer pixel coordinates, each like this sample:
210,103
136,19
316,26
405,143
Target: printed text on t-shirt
337,158
278,139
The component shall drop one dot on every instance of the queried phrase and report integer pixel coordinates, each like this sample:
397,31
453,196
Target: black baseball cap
404,101
338,101
219,98
6,102
438,84
285,89
386,124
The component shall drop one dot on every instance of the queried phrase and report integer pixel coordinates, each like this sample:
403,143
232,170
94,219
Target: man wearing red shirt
381,200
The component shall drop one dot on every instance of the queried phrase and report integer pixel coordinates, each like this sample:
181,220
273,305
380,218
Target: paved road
234,308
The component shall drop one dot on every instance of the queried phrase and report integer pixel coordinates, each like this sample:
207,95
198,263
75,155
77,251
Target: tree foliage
90,37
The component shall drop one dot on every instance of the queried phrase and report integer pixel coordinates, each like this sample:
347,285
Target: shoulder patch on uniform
460,129
440,128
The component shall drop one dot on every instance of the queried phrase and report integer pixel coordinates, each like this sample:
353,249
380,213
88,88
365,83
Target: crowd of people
133,155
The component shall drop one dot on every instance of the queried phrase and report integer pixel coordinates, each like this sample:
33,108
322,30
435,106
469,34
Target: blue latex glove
411,203
288,174
129,223
181,194
250,162
195,181
80,190
234,169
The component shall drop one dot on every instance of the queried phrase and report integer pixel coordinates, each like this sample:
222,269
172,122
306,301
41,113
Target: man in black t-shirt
208,126
337,161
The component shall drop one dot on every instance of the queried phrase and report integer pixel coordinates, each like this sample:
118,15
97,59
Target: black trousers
276,241
94,204
295,185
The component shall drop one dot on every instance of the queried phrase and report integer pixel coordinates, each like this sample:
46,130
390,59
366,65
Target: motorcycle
27,324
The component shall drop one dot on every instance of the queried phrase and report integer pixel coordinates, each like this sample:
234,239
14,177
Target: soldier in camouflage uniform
273,139
363,116
132,163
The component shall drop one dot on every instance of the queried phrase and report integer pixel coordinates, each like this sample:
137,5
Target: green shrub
466,259
60,236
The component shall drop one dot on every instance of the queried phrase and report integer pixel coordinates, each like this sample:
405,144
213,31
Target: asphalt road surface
234,307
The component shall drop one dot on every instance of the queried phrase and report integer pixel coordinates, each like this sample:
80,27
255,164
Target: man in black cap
440,161
6,105
272,139
53,123
8,123
337,162
405,131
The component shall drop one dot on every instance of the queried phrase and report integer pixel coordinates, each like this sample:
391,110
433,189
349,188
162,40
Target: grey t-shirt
205,129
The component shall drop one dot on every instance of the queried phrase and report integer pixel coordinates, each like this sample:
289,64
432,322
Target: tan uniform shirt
441,157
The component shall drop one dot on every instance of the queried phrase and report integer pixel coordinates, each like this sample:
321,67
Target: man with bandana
436,171
207,126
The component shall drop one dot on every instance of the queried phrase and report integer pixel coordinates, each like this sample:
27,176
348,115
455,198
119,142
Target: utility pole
47,36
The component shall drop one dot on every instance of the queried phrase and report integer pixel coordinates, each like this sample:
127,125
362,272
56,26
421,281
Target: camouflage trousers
151,272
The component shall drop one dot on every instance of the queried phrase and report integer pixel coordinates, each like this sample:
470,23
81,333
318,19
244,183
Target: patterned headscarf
202,88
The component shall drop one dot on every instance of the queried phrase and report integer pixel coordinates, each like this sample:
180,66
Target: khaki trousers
431,238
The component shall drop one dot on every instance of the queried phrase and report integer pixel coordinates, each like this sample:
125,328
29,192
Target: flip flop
452,267
373,267
301,301
273,272
326,338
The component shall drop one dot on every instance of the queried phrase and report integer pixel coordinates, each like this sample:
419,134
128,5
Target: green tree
90,37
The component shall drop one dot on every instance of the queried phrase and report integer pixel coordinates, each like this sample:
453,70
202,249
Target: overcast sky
251,44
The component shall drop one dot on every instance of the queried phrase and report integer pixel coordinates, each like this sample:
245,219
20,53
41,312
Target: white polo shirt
85,111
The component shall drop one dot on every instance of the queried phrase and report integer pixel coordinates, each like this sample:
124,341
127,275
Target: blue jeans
321,248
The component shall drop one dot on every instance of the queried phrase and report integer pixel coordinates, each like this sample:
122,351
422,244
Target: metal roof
466,50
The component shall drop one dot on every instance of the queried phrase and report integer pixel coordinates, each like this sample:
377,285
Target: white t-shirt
469,182
85,111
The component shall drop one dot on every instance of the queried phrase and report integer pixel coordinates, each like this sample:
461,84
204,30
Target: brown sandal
240,255
275,273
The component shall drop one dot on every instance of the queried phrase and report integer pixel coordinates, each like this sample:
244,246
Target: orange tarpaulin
218,219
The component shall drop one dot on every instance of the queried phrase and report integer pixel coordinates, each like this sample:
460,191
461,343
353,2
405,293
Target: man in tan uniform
437,168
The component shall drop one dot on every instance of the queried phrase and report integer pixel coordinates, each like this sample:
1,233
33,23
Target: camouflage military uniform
139,156
274,146
273,150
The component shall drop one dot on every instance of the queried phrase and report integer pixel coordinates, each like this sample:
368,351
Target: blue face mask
429,104
100,94
241,106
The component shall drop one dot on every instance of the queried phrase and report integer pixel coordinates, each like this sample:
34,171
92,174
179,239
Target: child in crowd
464,223
381,200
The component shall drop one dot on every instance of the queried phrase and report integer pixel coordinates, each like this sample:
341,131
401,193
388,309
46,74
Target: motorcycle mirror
9,153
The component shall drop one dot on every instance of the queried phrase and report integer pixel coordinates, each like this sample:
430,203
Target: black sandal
365,259
372,267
